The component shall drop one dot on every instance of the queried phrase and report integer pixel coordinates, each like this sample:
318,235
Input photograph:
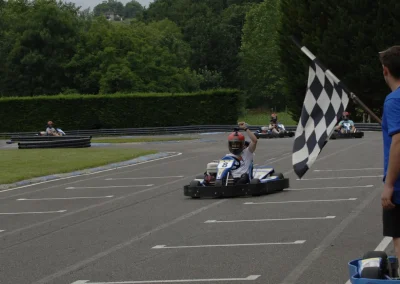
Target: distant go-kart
347,132
375,267
264,132
217,181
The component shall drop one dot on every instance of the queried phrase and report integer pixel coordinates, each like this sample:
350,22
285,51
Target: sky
92,3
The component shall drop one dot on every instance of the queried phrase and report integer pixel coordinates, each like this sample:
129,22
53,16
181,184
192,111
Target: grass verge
262,117
141,139
17,165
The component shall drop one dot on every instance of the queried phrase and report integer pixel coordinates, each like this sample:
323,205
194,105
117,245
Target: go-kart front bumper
236,190
337,135
274,135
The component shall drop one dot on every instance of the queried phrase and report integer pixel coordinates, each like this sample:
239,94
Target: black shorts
391,222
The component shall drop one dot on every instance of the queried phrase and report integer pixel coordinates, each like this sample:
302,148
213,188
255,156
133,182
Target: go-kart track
134,225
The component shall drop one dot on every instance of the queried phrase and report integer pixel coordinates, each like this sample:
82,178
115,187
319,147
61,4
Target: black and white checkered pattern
323,105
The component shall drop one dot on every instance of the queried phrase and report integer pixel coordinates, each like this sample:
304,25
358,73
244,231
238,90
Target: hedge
73,112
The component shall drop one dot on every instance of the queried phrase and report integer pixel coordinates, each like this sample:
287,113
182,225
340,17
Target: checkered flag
325,101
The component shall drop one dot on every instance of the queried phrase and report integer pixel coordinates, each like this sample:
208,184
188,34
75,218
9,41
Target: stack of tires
42,142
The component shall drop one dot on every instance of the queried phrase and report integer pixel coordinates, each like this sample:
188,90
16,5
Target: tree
346,38
132,9
260,63
40,40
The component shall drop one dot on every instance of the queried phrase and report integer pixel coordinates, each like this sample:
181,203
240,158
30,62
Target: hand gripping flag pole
326,98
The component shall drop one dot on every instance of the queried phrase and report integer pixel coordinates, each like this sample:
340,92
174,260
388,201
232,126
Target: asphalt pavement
134,225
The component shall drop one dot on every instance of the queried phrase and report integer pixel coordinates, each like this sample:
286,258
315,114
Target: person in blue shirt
390,197
346,123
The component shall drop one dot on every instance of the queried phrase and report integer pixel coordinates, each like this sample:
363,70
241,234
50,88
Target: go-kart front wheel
194,183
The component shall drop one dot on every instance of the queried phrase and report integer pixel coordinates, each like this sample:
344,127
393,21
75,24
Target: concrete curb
89,170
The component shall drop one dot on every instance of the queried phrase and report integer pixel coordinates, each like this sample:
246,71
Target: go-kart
58,131
347,133
217,181
374,265
264,132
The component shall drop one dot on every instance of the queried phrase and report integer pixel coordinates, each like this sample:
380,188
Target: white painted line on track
341,177
109,186
45,212
329,187
266,220
345,170
300,201
85,262
248,278
94,173
144,178
381,247
2,231
383,244
66,198
230,245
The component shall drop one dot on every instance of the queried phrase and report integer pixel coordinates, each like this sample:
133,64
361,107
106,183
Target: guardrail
174,130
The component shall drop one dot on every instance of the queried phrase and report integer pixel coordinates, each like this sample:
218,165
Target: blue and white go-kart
375,267
347,133
218,181
264,132
58,130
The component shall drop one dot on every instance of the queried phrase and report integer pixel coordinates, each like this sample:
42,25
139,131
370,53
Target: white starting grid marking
329,187
45,212
109,186
66,198
229,245
144,178
345,170
300,201
267,220
340,177
248,278
1,231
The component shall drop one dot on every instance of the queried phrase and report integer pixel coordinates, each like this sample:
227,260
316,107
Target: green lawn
262,117
141,139
17,165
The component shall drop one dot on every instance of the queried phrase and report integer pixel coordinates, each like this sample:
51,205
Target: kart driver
51,130
273,125
243,152
345,121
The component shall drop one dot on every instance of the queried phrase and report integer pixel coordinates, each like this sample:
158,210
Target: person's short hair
390,58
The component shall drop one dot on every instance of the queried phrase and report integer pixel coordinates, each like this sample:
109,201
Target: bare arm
393,171
254,140
253,144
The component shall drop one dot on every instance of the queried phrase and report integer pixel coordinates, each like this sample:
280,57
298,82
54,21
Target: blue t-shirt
391,126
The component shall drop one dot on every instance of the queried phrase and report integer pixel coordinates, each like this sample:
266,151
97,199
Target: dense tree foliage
261,68
49,47
345,37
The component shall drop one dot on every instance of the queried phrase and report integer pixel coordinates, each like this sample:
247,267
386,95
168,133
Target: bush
73,112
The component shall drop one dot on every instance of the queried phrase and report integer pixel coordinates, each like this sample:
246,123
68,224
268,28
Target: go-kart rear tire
280,175
387,269
372,273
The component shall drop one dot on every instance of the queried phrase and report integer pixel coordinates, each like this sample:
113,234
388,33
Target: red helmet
236,143
345,115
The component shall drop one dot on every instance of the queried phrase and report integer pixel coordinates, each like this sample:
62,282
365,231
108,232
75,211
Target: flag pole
353,96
